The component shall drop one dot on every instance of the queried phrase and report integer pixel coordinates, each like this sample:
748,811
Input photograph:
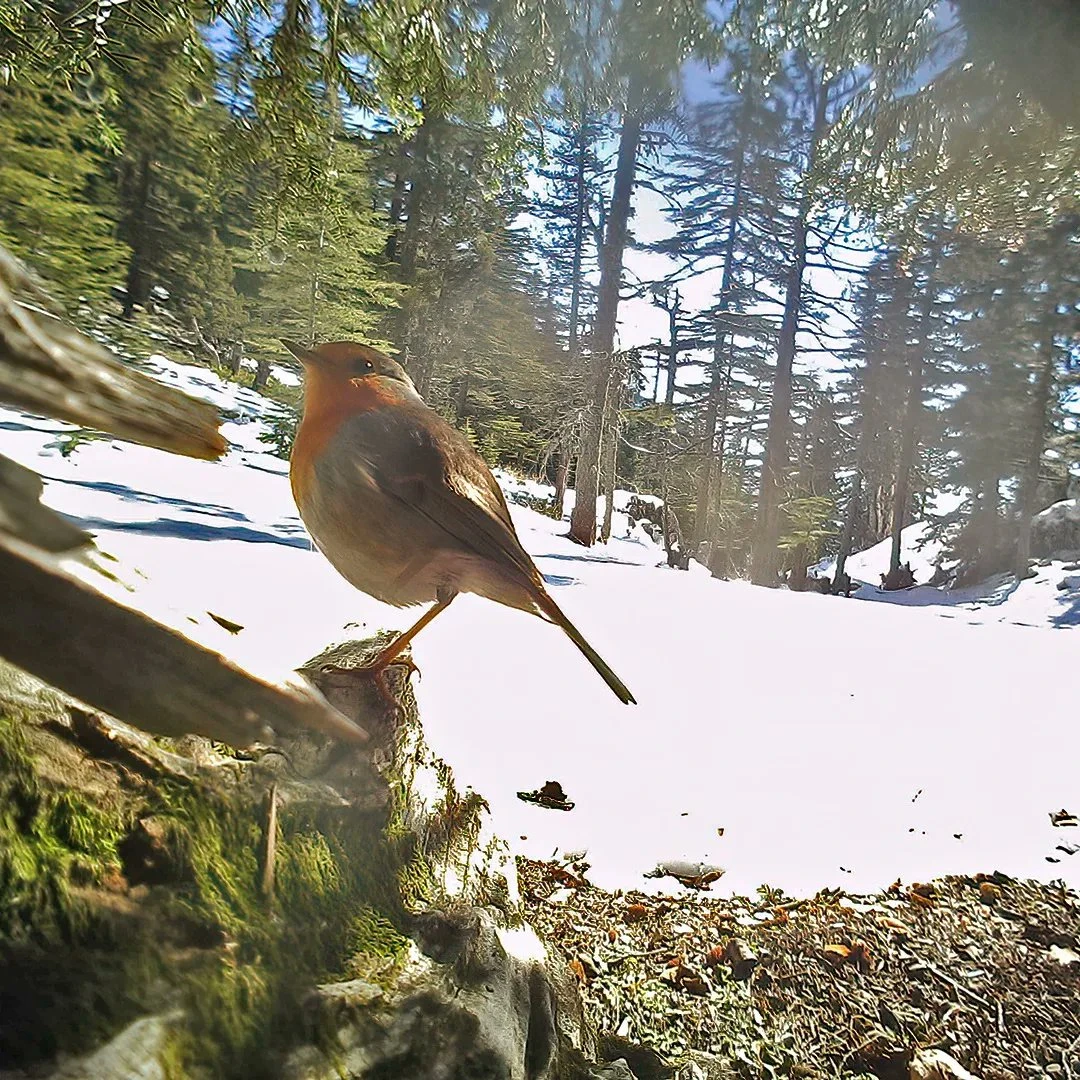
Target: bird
400,502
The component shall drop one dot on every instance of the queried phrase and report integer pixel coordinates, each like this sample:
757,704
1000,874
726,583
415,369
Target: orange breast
328,403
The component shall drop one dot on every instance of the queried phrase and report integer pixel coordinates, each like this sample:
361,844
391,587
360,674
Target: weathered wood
23,516
118,660
47,367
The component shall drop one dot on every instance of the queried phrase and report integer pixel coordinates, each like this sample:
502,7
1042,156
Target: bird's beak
305,356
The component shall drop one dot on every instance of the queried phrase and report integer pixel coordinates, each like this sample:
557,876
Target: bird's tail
554,613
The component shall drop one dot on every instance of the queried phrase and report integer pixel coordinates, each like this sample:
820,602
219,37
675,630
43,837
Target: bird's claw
377,672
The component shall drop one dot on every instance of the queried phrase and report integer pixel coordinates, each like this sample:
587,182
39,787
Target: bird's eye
365,367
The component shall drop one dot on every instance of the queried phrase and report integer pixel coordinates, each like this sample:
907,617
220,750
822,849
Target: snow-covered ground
1050,598
833,743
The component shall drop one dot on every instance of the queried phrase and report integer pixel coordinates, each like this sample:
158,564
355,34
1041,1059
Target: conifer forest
794,265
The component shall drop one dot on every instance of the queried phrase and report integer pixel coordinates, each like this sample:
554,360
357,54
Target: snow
1041,600
916,548
834,743
1066,510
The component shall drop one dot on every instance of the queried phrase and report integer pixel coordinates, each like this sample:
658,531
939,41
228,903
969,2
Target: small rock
139,1052
1064,956
560,896
937,1065
613,1070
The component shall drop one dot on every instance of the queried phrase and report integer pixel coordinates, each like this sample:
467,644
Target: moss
377,949
48,838
200,934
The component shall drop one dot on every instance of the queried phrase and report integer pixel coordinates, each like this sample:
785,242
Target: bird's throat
329,403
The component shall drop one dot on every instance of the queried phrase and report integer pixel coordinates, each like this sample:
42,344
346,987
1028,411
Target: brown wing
417,458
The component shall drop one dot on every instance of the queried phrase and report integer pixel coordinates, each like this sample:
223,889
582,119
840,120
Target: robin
399,501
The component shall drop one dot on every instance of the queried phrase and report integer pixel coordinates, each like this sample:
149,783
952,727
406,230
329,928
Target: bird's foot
377,672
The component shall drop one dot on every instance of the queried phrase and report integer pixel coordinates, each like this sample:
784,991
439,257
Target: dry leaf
892,924
578,969
635,913
861,956
937,1065
687,979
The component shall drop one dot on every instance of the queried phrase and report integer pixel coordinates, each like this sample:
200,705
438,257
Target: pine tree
167,176
315,270
727,179
649,43
57,207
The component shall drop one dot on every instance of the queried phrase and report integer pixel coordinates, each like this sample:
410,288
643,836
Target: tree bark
583,519
461,406
673,351
262,374
909,442
137,288
705,483
765,560
862,459
1028,490
397,207
407,246
580,198
610,451
562,477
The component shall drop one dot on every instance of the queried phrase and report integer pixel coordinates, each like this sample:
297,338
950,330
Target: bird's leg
391,654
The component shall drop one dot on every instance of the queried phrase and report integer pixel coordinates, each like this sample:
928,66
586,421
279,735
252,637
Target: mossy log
143,877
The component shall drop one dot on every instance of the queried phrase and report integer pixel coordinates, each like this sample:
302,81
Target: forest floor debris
977,969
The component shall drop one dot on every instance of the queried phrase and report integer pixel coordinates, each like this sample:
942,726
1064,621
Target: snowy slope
835,743
1050,598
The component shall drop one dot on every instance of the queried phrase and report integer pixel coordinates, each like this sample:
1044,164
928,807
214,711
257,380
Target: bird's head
337,363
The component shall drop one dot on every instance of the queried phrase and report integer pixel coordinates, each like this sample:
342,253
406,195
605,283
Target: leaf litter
977,970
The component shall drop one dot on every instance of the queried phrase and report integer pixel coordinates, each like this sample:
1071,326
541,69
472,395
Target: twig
270,844
960,989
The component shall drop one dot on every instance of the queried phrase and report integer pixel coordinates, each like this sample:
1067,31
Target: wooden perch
23,516
62,630
47,367
118,660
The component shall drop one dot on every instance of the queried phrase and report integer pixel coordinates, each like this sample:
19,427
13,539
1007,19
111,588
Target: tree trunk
909,442
562,477
610,451
407,248
703,509
765,560
847,537
705,484
1028,489
262,374
580,198
673,352
137,287
862,459
235,357
397,206
461,406
583,519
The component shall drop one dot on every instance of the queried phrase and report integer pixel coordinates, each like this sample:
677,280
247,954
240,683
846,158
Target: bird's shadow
134,495
294,536
559,579
587,559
